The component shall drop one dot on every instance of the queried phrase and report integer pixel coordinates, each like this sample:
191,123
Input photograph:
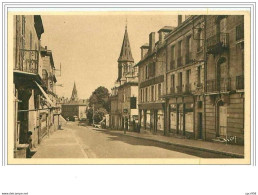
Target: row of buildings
36,113
190,82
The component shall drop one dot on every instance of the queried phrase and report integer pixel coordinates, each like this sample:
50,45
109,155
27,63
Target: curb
180,145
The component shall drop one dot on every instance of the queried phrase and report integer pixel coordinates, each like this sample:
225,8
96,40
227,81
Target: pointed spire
74,96
126,54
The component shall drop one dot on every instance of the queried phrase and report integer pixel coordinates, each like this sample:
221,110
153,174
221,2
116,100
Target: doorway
222,121
199,125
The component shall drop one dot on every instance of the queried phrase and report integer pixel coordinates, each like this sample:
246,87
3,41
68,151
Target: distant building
124,95
75,109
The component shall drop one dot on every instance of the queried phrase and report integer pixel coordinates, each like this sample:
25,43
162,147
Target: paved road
106,144
85,142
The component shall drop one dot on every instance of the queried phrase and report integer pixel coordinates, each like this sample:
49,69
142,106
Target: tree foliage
100,98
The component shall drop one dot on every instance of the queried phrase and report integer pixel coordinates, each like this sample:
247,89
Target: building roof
45,52
166,29
126,54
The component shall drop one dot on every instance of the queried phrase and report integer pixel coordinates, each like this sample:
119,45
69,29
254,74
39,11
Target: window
172,61
152,93
188,73
146,94
159,90
179,49
172,88
188,56
146,72
199,40
30,40
223,25
199,75
179,52
179,87
173,52
132,102
240,32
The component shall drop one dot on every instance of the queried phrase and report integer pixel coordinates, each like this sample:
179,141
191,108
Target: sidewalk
219,148
60,144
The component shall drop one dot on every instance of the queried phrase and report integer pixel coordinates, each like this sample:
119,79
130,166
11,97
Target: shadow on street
139,141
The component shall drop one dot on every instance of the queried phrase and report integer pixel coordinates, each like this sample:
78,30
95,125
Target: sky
88,46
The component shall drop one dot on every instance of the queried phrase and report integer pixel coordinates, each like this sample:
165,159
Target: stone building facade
184,78
151,82
224,95
201,79
32,103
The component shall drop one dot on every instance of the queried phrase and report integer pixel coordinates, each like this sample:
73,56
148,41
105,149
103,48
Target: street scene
134,86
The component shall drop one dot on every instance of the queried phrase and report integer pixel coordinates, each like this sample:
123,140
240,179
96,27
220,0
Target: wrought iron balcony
211,85
240,82
225,84
222,85
188,88
27,61
217,43
188,58
172,64
179,89
179,61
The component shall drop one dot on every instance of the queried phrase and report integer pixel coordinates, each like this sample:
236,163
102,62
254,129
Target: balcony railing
179,89
188,58
222,85
217,43
179,61
211,85
172,64
240,82
28,61
240,32
172,90
188,88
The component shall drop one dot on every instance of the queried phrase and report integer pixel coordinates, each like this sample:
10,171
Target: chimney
151,42
161,36
179,20
144,50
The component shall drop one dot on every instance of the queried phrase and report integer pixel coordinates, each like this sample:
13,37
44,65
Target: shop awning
45,94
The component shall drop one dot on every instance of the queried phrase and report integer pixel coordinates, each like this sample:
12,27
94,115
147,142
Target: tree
99,114
89,114
100,99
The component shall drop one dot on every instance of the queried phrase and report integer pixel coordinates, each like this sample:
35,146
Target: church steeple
74,96
126,54
125,59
